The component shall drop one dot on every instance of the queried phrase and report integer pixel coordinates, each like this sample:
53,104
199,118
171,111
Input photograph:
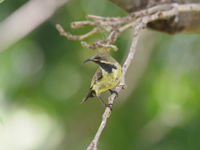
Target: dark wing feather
97,76
91,93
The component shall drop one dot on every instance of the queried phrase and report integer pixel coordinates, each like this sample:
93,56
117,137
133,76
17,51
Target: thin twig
98,44
103,18
79,24
75,37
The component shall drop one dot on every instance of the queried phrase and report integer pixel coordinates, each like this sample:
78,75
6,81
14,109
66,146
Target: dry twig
113,25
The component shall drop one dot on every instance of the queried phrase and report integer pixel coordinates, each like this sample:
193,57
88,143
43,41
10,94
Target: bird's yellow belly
107,82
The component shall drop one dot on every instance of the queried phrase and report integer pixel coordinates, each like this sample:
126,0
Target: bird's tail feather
90,94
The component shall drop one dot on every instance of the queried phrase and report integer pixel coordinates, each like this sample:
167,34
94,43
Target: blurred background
42,82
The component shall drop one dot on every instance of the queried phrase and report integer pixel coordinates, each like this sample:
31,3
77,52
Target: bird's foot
106,105
112,91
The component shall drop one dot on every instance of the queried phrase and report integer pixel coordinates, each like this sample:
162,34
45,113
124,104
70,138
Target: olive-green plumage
106,77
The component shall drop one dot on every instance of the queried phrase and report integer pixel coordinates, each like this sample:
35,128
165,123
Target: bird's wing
97,76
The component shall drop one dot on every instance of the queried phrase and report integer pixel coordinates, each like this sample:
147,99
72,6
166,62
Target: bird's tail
90,94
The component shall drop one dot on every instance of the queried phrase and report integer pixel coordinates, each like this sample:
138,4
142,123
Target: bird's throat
107,67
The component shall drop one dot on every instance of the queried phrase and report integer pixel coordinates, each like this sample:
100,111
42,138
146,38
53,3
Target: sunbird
106,77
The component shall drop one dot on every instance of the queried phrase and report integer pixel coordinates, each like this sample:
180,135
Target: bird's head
101,57
107,62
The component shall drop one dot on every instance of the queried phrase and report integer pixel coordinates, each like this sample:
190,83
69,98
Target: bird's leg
106,105
112,91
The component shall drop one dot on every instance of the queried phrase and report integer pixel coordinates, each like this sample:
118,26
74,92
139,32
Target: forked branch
115,26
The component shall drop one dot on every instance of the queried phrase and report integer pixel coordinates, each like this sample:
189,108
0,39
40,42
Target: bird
106,77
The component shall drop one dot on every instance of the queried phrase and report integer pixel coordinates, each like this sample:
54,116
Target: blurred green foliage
42,76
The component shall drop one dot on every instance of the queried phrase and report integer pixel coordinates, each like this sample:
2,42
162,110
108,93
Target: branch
189,20
25,19
74,37
135,5
121,85
140,24
115,26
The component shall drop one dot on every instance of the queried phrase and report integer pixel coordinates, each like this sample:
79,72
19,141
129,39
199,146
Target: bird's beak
89,59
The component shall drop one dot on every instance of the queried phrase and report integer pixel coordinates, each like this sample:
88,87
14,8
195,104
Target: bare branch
189,7
79,24
98,44
75,37
103,18
140,24
121,85
115,26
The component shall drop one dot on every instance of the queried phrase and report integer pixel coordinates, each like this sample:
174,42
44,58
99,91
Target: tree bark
187,21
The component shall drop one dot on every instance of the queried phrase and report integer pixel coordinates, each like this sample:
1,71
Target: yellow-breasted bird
106,77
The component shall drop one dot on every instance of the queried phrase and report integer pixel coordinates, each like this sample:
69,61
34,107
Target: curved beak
89,59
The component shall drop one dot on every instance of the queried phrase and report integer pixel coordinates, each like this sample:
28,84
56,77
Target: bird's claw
113,91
